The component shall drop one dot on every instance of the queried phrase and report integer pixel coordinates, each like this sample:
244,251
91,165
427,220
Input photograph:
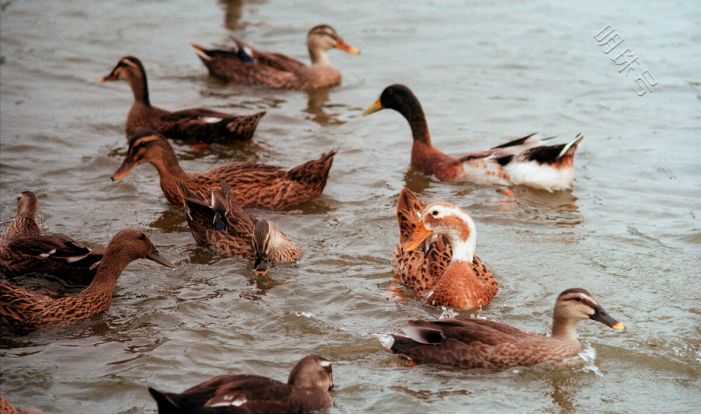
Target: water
629,231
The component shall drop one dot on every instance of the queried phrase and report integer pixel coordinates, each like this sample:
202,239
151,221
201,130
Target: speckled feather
22,310
254,185
423,270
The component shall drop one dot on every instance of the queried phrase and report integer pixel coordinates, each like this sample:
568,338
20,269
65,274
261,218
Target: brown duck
200,124
254,185
245,65
526,161
445,271
23,311
306,390
478,343
24,249
221,225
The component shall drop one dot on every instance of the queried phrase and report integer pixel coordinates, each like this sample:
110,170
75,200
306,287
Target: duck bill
260,267
346,47
420,234
374,108
156,256
608,320
123,170
107,78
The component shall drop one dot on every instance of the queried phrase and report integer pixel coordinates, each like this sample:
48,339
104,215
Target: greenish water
629,231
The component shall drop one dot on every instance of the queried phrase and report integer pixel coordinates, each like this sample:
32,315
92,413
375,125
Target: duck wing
227,394
220,223
56,247
466,331
244,65
420,270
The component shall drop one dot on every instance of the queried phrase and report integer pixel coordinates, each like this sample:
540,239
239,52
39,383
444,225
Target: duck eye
434,213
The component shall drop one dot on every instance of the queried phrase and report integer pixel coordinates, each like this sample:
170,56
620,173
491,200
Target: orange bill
107,78
420,234
619,326
346,47
123,170
374,108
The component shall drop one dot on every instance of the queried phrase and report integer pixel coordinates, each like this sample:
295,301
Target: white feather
211,120
46,255
386,340
540,176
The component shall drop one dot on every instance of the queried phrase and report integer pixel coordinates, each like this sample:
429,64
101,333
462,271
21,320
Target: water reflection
171,220
315,107
416,181
232,13
563,392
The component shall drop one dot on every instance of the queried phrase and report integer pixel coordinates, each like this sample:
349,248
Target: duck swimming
245,65
306,390
23,311
200,124
221,225
24,249
444,269
526,161
478,343
254,185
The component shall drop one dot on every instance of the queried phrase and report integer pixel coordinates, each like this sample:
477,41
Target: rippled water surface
629,230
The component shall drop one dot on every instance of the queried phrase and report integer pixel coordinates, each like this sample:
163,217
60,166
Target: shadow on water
172,220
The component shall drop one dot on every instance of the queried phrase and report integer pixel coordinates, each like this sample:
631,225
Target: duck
306,390
244,65
24,248
526,161
23,311
255,185
7,408
478,343
436,255
195,124
222,226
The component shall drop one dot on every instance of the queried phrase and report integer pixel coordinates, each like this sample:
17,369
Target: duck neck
414,114
111,266
167,165
463,243
139,86
24,223
319,57
565,329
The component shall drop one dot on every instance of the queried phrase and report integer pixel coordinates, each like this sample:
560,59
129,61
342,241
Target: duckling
23,311
477,343
254,185
245,65
200,124
222,226
526,161
446,271
306,391
24,249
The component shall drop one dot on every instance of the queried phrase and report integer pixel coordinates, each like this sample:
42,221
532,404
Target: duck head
27,203
312,372
577,304
397,97
321,39
146,146
134,244
449,220
130,69
265,235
